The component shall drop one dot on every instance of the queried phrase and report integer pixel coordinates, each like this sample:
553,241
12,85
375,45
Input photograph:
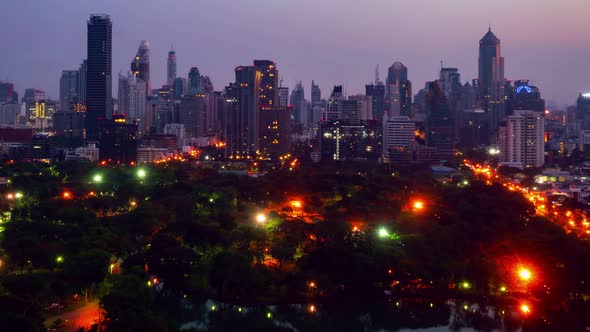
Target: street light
383,233
525,274
97,178
141,173
261,218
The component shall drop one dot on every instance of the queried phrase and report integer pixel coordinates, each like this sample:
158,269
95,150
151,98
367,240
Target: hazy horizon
329,41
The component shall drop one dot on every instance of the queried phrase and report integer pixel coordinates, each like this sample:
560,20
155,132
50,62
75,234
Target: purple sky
331,41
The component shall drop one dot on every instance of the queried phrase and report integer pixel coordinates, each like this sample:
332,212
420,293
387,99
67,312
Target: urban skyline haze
331,42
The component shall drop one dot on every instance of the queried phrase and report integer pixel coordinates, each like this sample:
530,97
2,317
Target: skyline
308,58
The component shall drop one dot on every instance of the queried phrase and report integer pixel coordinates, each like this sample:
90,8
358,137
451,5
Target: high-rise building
345,140
297,100
522,140
377,93
274,131
171,68
179,87
439,124
192,114
316,94
69,89
83,82
132,100
582,114
283,96
523,96
449,79
491,78
398,134
140,66
333,109
362,105
269,83
7,93
242,113
99,82
398,91
195,82
118,140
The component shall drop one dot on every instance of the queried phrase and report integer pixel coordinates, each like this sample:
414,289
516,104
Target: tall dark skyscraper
140,66
398,90
377,93
171,68
68,89
99,81
83,81
297,100
316,94
195,82
491,78
243,113
269,83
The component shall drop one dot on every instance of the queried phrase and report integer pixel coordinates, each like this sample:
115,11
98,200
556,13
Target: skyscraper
297,100
171,72
377,93
140,66
398,91
522,140
83,81
195,83
491,78
316,94
99,82
132,100
68,89
179,87
284,96
269,83
242,118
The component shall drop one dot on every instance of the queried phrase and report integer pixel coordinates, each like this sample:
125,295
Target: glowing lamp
525,309
296,204
97,178
141,173
525,274
59,259
383,233
261,218
418,205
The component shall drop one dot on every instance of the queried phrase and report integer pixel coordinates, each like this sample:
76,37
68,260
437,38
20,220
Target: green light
59,259
240,309
213,308
18,195
268,315
383,233
465,285
97,178
141,173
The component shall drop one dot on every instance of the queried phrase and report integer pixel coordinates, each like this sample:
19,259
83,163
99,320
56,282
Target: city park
160,247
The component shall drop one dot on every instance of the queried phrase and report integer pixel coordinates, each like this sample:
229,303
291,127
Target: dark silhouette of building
118,140
439,124
99,82
377,93
269,83
345,140
491,78
171,68
523,96
275,123
140,66
242,117
398,90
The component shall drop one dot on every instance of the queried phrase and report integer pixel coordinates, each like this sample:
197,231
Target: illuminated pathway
574,222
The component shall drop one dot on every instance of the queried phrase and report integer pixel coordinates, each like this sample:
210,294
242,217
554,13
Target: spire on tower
377,74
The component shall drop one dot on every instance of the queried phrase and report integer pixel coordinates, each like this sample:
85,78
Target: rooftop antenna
281,82
441,64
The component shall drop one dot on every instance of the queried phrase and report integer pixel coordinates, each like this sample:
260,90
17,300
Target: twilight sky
331,41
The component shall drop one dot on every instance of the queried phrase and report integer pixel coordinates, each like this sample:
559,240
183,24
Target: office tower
118,140
171,68
7,93
363,108
31,101
283,96
398,134
522,140
242,113
449,79
346,140
297,100
68,89
210,106
179,87
333,109
83,82
191,113
439,123
377,93
163,112
491,78
195,83
473,128
99,82
132,100
582,114
140,66
274,131
9,113
316,94
269,83
398,91
524,97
